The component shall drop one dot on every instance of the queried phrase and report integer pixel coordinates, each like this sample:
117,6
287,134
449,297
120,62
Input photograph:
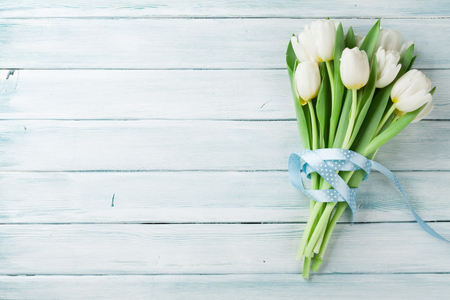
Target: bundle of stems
361,120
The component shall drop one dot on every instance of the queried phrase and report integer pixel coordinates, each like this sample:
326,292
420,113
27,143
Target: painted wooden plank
215,249
141,8
261,286
150,94
184,43
180,197
190,145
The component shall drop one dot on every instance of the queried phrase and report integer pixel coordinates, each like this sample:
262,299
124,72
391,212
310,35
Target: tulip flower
355,68
410,92
389,40
307,81
387,67
316,42
324,33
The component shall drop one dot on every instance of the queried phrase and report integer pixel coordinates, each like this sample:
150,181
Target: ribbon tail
391,176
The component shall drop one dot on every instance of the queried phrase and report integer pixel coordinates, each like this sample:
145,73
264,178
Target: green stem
320,226
319,241
323,222
393,120
332,128
315,144
314,207
304,240
313,125
348,135
331,76
339,211
319,259
384,120
306,266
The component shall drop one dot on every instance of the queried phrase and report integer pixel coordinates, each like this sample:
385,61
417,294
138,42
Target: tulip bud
355,68
389,40
410,92
387,67
324,33
307,81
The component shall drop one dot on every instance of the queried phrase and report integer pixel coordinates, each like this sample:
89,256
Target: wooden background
143,154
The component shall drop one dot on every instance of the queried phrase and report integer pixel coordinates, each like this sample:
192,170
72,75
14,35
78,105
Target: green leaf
372,119
370,40
290,56
350,41
343,121
433,90
406,60
323,107
339,88
412,63
366,100
392,131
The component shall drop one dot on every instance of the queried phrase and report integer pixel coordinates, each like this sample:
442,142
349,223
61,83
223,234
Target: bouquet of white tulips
351,92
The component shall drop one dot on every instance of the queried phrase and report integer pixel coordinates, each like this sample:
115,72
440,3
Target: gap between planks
210,223
220,274
222,18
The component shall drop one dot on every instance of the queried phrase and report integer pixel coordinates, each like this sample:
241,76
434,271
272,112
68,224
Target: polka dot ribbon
325,162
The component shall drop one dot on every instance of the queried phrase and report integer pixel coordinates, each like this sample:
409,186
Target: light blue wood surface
143,154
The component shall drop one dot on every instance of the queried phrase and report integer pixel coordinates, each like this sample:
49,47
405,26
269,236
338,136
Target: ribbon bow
325,162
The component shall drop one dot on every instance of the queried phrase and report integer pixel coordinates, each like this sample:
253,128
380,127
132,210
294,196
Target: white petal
413,102
402,84
388,75
425,111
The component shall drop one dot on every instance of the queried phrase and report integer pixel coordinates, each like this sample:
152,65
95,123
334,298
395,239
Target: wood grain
224,8
184,43
215,249
195,197
150,94
29,145
261,286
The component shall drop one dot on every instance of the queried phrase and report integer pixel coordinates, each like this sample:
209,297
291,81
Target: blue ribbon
325,162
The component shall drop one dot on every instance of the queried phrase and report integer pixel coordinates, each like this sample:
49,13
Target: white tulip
410,92
324,33
355,68
424,112
389,40
359,40
302,46
387,67
307,81
405,47
315,42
